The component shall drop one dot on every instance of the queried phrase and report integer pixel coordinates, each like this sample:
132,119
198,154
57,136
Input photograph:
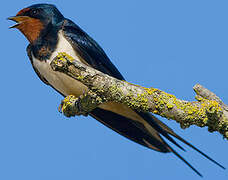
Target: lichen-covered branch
208,110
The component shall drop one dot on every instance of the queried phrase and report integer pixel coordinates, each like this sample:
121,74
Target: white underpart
69,86
58,80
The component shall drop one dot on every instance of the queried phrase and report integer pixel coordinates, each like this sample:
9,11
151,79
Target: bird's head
31,21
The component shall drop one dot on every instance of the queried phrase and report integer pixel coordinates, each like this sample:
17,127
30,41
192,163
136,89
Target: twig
208,110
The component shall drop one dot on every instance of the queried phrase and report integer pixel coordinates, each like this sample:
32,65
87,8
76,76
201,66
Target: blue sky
170,45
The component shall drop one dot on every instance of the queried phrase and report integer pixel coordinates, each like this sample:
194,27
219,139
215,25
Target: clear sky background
170,45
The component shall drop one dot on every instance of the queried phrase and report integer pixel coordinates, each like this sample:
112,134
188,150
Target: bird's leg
82,105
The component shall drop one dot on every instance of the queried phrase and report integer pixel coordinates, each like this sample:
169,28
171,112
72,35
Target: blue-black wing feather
89,50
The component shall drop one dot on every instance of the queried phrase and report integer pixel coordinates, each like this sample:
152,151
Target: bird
49,33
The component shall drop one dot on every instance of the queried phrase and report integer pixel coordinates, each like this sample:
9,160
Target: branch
208,110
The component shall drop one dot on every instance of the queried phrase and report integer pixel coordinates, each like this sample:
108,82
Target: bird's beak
18,20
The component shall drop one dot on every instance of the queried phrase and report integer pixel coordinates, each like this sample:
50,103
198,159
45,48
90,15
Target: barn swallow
49,33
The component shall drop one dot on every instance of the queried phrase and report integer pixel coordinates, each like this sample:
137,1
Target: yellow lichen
80,77
198,98
155,111
151,91
63,55
67,102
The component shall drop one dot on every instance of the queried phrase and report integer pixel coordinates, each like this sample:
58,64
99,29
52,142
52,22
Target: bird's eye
34,12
